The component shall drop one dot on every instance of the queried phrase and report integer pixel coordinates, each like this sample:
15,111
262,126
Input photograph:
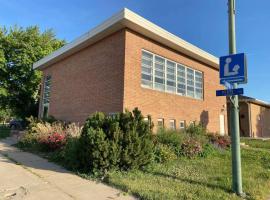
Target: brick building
128,62
254,117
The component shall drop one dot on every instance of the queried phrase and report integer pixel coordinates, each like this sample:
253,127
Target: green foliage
121,141
5,114
71,155
169,137
208,149
4,131
191,148
208,178
220,141
182,141
43,136
19,83
195,129
164,153
257,143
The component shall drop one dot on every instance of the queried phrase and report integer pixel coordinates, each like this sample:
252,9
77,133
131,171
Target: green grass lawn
4,131
257,143
201,178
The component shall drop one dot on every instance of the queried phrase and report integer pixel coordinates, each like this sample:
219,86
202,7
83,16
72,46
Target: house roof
128,19
253,100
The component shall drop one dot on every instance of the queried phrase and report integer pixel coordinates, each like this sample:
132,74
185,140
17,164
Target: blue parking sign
232,69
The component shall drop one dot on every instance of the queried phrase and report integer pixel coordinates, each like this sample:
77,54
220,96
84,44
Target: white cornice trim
131,20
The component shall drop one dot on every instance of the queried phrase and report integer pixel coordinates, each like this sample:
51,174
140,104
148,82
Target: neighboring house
129,62
254,117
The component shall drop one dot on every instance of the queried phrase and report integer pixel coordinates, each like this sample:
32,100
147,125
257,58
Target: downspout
249,120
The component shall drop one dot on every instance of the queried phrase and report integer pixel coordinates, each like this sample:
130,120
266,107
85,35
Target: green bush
195,129
71,154
220,141
208,149
120,141
191,148
170,137
164,153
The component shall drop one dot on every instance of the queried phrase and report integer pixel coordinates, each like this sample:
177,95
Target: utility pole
234,111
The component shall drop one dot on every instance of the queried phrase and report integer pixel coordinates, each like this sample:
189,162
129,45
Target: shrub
70,153
164,153
119,141
195,129
220,141
208,149
53,141
169,137
191,148
28,140
44,136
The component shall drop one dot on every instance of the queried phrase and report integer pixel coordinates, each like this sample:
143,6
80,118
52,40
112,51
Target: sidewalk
28,176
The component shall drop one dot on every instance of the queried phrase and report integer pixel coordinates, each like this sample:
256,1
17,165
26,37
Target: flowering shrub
220,141
44,136
191,148
54,141
164,153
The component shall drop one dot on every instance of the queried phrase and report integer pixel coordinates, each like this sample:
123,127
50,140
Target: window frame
160,120
154,55
174,124
44,92
184,122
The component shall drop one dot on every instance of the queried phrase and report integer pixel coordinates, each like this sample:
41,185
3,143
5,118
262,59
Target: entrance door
222,124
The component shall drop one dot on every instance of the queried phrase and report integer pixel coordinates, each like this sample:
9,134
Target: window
112,114
182,124
165,75
181,80
160,123
172,124
159,73
170,76
198,85
46,96
147,69
190,82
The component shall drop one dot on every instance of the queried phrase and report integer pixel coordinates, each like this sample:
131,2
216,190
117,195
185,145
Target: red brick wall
164,105
88,81
95,79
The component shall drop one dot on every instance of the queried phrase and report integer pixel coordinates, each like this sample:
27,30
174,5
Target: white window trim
160,120
174,124
184,122
176,74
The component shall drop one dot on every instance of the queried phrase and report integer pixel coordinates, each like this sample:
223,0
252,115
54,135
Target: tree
19,83
4,115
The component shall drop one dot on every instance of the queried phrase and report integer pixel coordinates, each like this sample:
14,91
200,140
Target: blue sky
200,22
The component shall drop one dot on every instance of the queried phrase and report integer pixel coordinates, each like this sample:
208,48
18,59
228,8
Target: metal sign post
234,115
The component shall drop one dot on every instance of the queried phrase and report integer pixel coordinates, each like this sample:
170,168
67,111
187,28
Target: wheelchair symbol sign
232,69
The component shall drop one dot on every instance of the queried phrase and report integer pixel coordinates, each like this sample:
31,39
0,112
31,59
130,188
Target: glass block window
190,82
147,70
162,74
46,96
159,73
198,85
181,80
171,76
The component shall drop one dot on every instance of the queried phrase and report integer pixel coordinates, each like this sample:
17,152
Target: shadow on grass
195,182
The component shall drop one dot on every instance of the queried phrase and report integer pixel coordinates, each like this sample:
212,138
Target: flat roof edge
80,40
129,19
